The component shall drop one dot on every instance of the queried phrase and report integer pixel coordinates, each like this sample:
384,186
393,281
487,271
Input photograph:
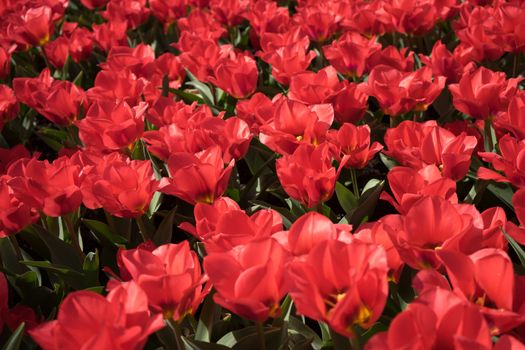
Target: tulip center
168,314
205,199
363,316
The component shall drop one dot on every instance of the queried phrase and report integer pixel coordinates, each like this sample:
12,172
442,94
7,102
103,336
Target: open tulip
342,284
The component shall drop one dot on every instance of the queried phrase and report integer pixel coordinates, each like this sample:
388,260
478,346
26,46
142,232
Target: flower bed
259,174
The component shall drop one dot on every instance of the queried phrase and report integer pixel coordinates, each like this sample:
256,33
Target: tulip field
262,174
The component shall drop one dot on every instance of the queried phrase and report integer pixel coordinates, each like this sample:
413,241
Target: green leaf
295,326
165,231
91,268
9,257
200,345
346,198
78,79
51,142
387,161
187,96
210,314
252,341
155,203
15,340
503,192
231,338
26,283
366,205
204,91
61,252
517,248
47,265
101,228
296,209
73,278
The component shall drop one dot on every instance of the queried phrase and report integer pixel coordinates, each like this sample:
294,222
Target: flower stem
260,333
175,327
340,342
142,228
18,251
73,234
353,174
489,142
515,64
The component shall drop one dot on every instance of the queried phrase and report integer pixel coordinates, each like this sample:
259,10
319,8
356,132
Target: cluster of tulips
262,174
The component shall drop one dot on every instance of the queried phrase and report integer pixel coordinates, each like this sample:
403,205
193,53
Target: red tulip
314,88
295,124
111,126
287,53
309,230
482,94
110,34
168,11
231,135
319,20
201,24
21,313
199,177
420,144
509,15
511,119
398,92
14,214
115,86
200,56
443,63
376,233
34,26
487,279
349,53
409,185
207,217
400,59
479,31
10,155
237,75
123,187
8,105
132,12
342,284
234,274
229,12
5,61
123,57
235,228
510,162
267,17
57,51
353,145
350,103
58,101
255,111
414,17
438,319
421,233
87,319
165,111
93,4
52,188
307,175
170,276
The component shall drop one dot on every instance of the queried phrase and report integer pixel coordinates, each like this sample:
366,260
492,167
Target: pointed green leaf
346,198
15,340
